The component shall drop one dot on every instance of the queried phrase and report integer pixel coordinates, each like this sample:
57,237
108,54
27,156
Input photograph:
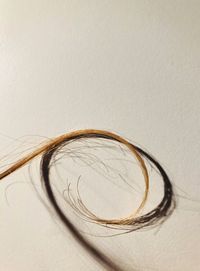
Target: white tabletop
131,67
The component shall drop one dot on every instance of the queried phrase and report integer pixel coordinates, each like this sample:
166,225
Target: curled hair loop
131,223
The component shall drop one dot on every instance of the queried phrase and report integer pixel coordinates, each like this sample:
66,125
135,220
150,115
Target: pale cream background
127,66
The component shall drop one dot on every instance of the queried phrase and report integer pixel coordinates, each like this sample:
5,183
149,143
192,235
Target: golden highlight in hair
132,222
